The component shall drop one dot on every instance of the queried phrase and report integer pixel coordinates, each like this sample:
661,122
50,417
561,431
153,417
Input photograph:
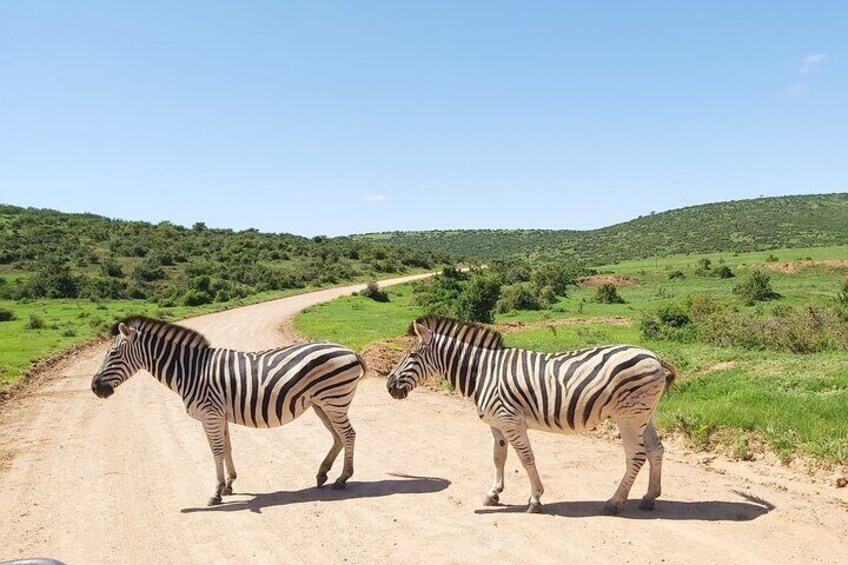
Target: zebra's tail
364,365
670,373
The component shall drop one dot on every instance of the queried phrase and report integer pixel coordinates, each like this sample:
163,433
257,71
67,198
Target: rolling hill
735,226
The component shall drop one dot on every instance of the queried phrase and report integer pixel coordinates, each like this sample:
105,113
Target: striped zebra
516,390
255,389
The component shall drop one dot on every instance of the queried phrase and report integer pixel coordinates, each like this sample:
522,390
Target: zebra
516,390
219,386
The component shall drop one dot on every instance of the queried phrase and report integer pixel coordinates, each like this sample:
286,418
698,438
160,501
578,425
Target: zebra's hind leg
215,428
341,425
228,461
634,451
321,478
517,436
654,448
499,449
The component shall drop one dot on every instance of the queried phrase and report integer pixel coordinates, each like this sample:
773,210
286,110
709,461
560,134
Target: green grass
797,404
356,321
69,322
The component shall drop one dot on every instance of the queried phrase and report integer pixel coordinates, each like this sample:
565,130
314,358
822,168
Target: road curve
124,480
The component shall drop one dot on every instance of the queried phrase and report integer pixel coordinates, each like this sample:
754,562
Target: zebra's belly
259,418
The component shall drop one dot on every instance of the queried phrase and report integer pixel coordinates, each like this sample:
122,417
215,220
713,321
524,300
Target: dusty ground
124,480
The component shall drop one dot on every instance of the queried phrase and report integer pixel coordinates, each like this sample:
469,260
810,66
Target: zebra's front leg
228,460
499,451
517,436
216,428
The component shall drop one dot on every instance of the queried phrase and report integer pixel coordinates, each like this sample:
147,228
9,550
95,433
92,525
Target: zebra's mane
164,329
472,334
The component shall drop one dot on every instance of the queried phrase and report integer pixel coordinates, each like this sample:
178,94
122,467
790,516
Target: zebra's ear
424,333
125,331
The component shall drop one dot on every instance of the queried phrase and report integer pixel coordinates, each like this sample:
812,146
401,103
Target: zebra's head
416,365
121,362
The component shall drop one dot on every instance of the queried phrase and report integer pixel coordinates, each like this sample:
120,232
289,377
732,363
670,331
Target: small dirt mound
615,280
382,356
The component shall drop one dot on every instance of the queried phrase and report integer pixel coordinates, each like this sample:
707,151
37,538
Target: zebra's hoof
339,485
534,508
320,480
609,509
228,490
492,500
214,501
647,504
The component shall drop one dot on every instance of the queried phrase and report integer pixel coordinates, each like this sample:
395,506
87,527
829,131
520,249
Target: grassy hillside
734,393
65,277
739,226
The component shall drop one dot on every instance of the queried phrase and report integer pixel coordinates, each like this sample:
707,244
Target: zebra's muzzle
102,390
395,391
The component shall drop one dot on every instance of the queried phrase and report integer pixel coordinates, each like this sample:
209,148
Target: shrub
478,299
676,275
467,296
6,315
608,294
195,297
755,288
111,268
772,258
701,306
842,296
517,297
554,275
373,291
723,272
35,322
797,330
668,322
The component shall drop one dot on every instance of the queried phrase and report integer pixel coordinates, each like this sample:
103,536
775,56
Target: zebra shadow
708,510
401,484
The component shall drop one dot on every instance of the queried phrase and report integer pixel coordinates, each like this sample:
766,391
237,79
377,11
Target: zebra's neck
172,362
462,364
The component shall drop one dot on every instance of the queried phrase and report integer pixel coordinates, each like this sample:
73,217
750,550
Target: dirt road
125,480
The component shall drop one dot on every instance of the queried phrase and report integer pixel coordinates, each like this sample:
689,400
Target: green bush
676,275
723,272
373,291
797,330
467,296
195,297
608,294
35,322
669,322
755,288
557,276
6,315
517,297
478,299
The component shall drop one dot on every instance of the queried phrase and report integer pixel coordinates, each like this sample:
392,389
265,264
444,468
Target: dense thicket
744,225
49,254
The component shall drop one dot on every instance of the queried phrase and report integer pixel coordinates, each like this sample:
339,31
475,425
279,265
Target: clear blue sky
312,117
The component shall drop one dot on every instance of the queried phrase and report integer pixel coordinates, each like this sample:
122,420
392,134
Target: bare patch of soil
513,327
615,280
792,267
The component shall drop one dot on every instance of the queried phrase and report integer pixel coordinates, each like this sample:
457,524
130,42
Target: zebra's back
574,391
270,388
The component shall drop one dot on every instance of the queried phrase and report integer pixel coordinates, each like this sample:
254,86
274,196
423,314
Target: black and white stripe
255,389
516,390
